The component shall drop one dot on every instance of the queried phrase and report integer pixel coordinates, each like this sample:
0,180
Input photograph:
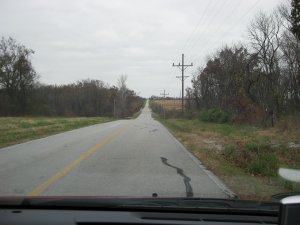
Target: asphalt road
122,158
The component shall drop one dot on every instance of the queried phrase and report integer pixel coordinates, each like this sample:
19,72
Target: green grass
222,129
215,115
15,130
250,159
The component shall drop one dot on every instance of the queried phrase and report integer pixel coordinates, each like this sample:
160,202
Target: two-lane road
122,158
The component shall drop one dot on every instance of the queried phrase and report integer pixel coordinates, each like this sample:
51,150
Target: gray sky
103,39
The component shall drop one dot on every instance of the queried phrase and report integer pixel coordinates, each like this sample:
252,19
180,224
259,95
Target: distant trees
17,76
83,98
258,82
22,94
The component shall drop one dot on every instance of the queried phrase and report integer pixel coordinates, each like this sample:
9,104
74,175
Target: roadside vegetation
14,130
246,157
22,94
256,82
242,113
30,109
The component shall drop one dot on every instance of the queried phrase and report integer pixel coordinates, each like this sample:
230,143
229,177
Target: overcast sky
103,39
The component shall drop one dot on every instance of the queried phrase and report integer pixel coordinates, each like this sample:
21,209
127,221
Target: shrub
258,146
204,116
169,114
230,152
189,115
264,164
224,117
215,115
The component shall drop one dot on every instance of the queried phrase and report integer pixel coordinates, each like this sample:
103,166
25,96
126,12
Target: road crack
186,179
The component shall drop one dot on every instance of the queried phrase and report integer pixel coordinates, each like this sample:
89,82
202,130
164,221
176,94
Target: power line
217,28
197,26
207,42
182,67
189,43
205,26
232,28
192,41
164,94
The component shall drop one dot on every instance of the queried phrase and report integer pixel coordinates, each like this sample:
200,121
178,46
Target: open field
169,104
246,158
14,130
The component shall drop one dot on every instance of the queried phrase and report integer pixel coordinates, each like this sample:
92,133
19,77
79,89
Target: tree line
259,79
21,93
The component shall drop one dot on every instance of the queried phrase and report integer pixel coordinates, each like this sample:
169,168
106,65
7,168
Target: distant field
169,104
15,130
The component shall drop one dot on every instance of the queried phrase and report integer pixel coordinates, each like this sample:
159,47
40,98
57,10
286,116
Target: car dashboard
148,211
84,217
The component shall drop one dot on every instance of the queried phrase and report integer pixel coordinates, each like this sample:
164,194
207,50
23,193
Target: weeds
230,152
250,153
263,164
258,145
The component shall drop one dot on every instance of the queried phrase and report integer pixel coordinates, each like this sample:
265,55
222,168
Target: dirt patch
210,152
293,145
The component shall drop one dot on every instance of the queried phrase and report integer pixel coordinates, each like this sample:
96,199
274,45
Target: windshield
136,98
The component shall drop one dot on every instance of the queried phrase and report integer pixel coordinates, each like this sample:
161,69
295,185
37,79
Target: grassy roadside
15,130
246,158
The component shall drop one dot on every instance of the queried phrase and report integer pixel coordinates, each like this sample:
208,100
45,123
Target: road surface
136,157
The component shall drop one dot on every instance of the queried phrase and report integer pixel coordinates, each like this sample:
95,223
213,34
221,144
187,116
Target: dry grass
207,142
244,185
167,104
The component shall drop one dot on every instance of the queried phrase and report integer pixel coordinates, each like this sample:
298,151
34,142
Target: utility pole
182,67
174,102
114,107
164,94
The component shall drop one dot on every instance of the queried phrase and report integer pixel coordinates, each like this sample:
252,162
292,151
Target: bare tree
290,63
121,101
17,75
264,34
261,81
295,18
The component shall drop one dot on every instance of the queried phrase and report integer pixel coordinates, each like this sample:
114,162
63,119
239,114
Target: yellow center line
65,170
